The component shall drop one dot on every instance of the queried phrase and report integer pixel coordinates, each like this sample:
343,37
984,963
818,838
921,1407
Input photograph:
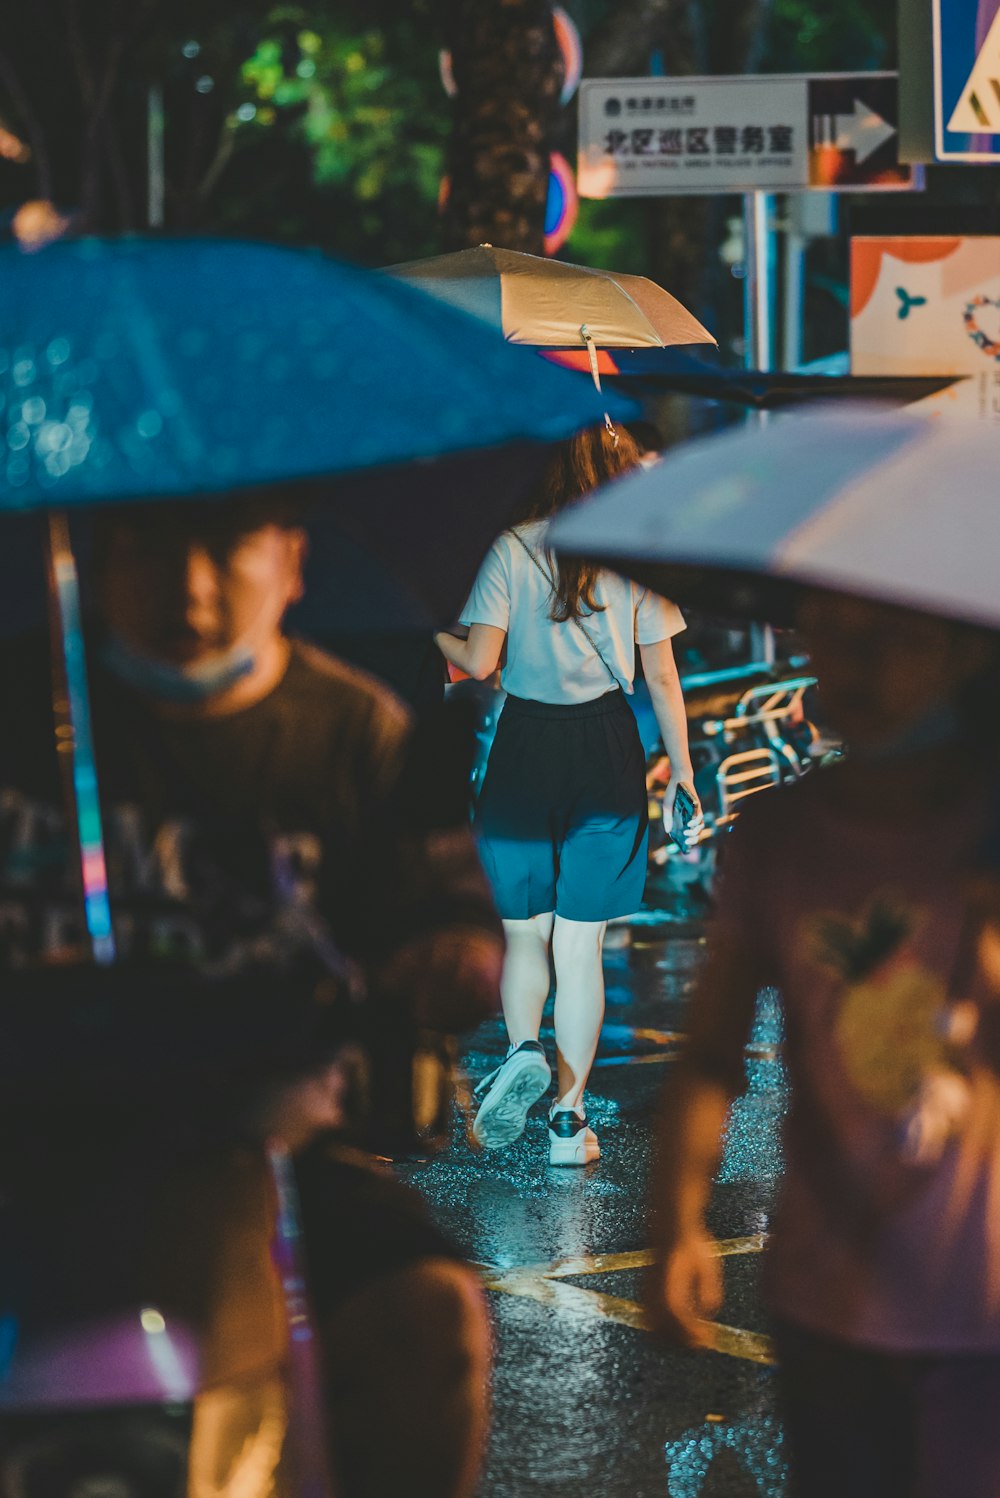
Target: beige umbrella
550,304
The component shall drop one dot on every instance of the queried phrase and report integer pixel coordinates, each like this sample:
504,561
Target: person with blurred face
856,892
258,816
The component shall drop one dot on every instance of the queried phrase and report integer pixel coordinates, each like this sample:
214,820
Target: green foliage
611,234
851,36
363,110
346,142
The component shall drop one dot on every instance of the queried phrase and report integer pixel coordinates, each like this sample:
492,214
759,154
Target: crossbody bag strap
576,618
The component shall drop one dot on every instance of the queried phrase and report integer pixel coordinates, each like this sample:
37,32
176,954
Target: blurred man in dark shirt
261,813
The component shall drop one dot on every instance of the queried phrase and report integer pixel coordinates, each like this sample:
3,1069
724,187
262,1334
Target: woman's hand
684,1290
696,826
479,655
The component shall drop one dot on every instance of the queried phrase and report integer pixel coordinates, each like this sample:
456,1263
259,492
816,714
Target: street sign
853,135
967,80
779,132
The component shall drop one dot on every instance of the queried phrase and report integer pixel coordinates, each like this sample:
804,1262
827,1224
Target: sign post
758,310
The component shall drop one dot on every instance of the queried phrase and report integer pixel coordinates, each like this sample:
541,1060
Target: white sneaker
509,1094
571,1140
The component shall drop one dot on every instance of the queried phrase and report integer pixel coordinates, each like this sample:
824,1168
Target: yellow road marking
672,1044
599,1263
546,1284
563,1297
655,1058
726,1247
639,1258
661,1037
751,1347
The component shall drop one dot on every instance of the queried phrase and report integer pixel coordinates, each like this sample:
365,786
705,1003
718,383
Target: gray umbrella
894,507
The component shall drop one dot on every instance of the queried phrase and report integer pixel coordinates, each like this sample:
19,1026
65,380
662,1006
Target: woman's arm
479,655
664,683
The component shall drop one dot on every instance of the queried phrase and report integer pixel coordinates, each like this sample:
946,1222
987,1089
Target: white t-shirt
550,662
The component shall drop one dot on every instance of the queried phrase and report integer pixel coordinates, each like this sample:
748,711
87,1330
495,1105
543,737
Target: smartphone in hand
685,811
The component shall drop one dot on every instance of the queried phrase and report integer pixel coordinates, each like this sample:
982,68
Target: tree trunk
508,71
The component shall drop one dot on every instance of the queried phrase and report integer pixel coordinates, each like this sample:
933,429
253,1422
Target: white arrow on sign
862,132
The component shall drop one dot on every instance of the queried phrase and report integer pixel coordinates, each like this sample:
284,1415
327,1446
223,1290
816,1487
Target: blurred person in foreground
562,818
866,894
260,803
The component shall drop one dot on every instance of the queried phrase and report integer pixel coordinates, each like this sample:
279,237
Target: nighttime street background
329,124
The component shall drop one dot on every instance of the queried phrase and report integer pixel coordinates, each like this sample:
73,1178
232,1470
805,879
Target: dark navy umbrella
180,367
649,372
144,369
139,369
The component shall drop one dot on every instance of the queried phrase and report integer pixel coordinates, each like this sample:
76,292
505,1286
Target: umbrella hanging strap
75,738
588,339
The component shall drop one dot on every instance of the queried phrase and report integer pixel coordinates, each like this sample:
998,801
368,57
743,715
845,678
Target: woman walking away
562,819
868,893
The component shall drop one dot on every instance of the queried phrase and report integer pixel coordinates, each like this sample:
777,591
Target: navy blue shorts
562,820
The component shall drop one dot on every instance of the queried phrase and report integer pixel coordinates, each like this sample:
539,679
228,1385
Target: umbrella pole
306,1434
74,737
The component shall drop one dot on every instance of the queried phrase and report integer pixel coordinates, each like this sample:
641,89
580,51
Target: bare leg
577,949
524,986
410,1396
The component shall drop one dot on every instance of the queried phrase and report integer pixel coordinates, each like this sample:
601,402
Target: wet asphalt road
585,1402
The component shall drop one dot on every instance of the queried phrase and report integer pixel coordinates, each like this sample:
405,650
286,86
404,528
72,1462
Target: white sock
559,1107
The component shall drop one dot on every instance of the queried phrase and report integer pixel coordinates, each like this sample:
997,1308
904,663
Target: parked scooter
743,739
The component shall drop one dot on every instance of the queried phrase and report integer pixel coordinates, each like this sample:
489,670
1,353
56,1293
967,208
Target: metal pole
156,169
758,302
306,1440
758,320
74,736
795,280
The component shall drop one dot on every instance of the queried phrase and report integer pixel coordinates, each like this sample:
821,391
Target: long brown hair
580,464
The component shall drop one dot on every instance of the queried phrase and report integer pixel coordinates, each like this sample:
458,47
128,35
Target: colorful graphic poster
925,306
974,398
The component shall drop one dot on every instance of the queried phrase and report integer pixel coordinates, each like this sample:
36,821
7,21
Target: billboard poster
930,306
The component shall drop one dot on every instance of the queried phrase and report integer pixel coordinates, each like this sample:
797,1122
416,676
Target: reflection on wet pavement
586,1403
755,1442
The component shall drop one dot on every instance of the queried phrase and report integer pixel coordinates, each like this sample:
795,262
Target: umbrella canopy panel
143,368
532,300
650,372
897,508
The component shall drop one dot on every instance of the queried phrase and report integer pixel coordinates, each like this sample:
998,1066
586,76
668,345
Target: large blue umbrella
140,369
145,368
